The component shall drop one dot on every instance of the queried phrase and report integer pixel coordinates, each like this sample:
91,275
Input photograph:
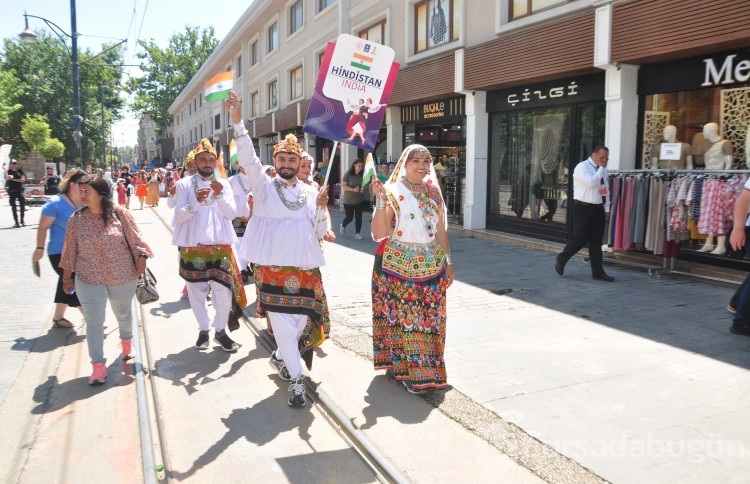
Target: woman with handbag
106,250
413,269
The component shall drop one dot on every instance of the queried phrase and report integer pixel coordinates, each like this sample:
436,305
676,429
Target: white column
477,137
621,94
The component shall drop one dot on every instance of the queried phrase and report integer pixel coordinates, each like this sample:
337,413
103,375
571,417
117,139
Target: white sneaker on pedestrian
357,237
342,230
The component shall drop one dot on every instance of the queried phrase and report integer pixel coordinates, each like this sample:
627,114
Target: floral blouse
98,253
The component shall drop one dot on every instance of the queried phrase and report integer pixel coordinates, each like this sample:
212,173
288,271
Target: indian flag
232,152
369,170
219,86
220,172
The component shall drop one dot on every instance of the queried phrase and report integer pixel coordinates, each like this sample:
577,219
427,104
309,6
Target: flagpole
325,182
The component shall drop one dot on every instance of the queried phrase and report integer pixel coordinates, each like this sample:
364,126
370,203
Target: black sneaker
202,343
410,388
297,393
742,329
227,343
280,367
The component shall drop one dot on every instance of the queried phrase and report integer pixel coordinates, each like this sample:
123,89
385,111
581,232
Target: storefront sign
670,151
563,91
448,108
729,72
718,70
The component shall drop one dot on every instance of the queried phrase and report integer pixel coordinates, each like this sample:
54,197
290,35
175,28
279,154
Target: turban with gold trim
288,145
204,145
190,158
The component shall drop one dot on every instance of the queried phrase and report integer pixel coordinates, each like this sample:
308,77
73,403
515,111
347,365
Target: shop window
532,155
374,33
295,83
522,8
273,37
295,17
688,112
435,23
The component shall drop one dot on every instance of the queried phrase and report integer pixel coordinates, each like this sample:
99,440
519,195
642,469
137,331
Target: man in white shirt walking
204,210
591,203
289,219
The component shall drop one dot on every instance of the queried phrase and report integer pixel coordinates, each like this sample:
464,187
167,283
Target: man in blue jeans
741,321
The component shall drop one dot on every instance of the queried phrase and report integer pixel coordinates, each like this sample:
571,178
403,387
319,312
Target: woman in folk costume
413,269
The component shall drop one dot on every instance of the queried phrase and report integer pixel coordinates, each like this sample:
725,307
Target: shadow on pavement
380,403
191,367
252,423
55,338
167,309
53,395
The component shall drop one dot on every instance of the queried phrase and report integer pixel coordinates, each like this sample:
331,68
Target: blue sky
120,19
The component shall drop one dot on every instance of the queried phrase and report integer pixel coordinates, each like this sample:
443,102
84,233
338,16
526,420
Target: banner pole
325,182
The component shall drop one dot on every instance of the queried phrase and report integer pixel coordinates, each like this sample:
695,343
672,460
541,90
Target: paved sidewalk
637,380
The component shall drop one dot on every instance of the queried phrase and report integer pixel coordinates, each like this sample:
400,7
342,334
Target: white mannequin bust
686,156
719,155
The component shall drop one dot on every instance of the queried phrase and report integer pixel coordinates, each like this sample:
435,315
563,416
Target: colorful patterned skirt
215,263
408,327
291,290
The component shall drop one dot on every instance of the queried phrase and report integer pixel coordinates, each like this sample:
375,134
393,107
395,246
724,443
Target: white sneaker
342,230
357,237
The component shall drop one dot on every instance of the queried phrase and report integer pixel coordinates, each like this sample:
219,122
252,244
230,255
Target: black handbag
145,291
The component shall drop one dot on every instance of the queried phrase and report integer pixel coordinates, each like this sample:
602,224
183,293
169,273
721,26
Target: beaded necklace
291,205
194,180
242,185
411,186
425,206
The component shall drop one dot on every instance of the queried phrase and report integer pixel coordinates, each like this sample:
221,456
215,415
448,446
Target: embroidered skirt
408,326
239,225
291,290
215,263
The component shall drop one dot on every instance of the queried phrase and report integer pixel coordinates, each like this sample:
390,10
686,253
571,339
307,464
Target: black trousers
13,196
588,228
354,212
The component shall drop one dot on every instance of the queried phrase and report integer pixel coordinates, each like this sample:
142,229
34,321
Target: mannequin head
670,134
711,132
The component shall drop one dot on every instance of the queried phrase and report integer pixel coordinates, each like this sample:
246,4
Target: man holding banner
289,218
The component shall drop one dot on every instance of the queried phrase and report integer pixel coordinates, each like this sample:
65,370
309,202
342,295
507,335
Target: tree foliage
8,86
42,73
34,130
51,148
168,71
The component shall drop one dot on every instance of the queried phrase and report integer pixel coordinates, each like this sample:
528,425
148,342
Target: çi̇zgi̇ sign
355,81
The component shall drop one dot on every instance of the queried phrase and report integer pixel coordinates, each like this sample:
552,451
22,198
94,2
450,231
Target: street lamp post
29,36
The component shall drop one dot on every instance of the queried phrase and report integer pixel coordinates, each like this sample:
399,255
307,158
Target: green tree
44,86
34,130
168,71
52,148
8,86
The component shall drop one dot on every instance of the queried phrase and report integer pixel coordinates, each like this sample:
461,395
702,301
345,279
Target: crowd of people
267,224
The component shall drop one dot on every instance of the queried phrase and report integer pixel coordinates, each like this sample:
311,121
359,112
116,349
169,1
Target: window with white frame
295,83
254,104
435,23
254,53
217,122
273,94
273,37
374,33
521,8
238,68
295,17
324,4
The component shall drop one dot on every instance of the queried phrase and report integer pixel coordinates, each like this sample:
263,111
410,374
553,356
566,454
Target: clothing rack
668,262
